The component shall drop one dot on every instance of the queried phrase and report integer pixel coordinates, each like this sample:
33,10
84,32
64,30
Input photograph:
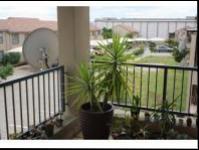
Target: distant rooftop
20,24
26,25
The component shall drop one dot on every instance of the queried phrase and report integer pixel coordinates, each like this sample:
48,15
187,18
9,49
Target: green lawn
149,94
167,60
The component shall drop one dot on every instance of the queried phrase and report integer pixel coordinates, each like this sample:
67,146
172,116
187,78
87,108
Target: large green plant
103,79
111,69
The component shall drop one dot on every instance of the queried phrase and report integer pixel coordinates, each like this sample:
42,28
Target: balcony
33,103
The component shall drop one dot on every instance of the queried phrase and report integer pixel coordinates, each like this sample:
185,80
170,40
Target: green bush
172,43
129,35
179,55
152,46
107,33
5,71
129,45
14,57
139,51
11,58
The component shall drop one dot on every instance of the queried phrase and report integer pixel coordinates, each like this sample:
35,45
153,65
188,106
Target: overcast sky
49,12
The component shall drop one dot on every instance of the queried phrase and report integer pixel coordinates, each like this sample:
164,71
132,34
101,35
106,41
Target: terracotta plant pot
96,125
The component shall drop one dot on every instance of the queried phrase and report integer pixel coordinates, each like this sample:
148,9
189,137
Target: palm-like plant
84,86
104,78
109,68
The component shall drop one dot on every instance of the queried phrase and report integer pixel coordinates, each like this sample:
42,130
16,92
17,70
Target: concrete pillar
73,40
194,80
73,36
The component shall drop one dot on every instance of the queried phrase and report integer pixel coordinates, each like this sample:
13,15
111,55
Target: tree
107,33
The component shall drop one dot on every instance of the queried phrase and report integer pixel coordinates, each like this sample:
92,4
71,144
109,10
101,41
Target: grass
149,95
167,60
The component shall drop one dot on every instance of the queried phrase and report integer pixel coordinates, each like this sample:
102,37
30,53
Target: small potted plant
147,116
135,110
181,122
58,122
49,128
189,122
156,118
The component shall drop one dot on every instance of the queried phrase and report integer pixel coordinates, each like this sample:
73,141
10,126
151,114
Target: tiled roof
18,24
94,27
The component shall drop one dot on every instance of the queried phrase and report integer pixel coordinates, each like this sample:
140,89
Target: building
124,30
95,32
13,30
150,27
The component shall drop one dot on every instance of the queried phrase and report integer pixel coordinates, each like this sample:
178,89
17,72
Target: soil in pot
96,125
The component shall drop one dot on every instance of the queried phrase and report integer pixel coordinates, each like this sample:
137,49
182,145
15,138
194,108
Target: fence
31,100
154,84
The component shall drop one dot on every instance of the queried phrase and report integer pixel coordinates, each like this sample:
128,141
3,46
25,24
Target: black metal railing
155,84
31,100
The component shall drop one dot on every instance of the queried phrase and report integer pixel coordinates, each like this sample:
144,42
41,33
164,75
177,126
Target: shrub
139,51
14,57
107,33
11,58
129,35
172,43
179,55
129,45
152,46
5,71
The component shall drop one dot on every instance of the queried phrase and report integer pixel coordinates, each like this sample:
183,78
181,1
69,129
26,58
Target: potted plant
49,128
181,122
58,122
189,122
147,116
98,83
135,110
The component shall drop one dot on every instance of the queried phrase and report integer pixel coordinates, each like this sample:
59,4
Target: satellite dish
40,48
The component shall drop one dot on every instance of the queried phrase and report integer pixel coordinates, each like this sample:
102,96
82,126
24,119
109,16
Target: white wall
152,29
156,28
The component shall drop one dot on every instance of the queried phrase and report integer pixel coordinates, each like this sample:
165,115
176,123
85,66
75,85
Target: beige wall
7,41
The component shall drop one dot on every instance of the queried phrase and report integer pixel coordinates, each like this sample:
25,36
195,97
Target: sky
50,13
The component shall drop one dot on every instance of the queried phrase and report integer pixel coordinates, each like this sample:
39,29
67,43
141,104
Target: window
15,38
1,37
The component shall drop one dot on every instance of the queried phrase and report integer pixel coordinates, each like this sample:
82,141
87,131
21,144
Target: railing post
62,82
165,86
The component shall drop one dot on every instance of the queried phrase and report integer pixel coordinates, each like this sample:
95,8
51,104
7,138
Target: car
163,48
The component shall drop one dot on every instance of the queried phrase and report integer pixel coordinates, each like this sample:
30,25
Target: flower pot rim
92,112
